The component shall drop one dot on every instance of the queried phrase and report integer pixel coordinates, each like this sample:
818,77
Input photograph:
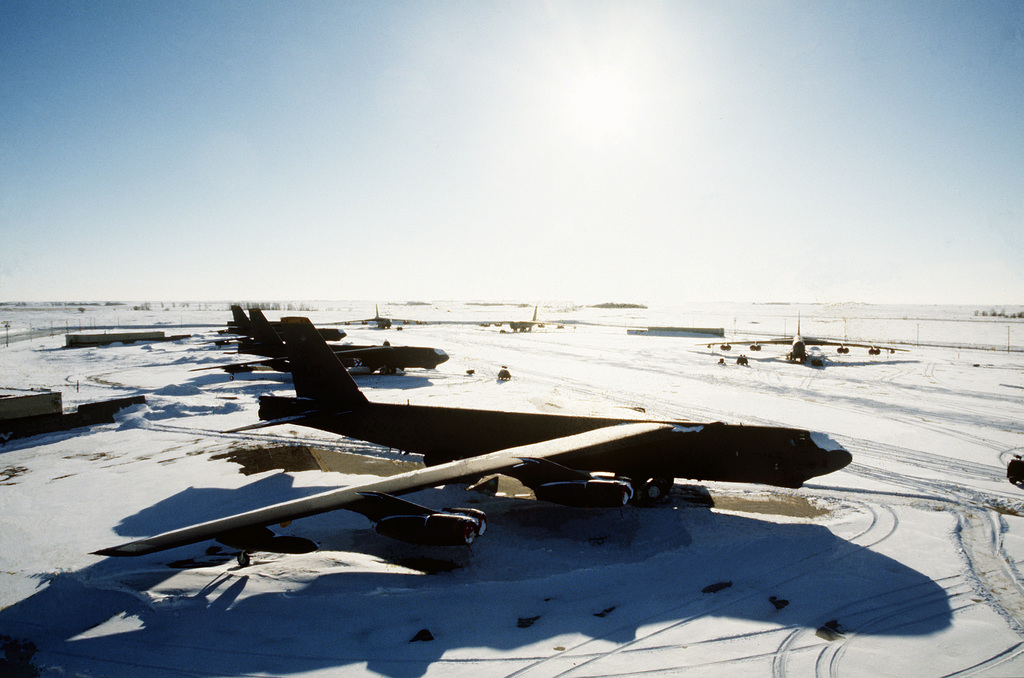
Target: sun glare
600,106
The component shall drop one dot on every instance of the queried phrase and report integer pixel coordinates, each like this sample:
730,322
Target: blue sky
527,151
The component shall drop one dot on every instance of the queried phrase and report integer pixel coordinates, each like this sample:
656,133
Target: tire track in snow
980,536
881,526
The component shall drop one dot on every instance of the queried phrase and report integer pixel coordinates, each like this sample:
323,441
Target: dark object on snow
1015,470
779,603
715,588
471,372
504,374
429,565
829,631
526,622
423,635
55,419
16,659
742,360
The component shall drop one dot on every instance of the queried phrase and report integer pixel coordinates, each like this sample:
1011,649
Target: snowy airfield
907,562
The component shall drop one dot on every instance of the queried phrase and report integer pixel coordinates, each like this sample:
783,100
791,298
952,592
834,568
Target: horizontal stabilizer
294,419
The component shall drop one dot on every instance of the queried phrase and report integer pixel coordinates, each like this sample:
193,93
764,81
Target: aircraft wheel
655,490
243,559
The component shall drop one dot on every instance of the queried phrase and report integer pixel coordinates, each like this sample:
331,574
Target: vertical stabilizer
262,331
316,371
241,320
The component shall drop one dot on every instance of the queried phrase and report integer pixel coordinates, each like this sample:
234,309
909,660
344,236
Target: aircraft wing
808,341
743,342
228,366
830,342
377,499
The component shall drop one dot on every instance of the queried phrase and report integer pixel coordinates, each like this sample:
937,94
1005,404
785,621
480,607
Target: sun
600,106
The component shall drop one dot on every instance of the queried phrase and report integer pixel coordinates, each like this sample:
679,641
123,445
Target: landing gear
243,559
653,491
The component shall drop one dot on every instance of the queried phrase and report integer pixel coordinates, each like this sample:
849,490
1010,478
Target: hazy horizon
861,152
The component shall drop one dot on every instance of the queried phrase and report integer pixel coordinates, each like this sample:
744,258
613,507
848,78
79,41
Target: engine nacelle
432,529
476,514
593,493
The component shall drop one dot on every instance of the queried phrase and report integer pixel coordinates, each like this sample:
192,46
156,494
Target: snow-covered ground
907,562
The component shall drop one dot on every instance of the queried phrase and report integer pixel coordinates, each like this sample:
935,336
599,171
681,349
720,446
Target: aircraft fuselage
778,456
798,351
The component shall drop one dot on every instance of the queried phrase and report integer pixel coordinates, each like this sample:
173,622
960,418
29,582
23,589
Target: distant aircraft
526,326
568,460
799,353
380,321
517,325
387,359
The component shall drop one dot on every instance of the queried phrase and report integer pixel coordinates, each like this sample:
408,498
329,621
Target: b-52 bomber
798,347
381,322
386,359
244,327
569,460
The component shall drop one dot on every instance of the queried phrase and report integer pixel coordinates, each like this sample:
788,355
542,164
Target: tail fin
316,371
535,313
262,331
241,321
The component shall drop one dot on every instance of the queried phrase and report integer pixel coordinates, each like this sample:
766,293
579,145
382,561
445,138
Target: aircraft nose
837,459
441,356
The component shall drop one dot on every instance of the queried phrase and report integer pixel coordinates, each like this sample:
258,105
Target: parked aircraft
799,351
518,325
381,322
243,326
568,460
524,325
387,359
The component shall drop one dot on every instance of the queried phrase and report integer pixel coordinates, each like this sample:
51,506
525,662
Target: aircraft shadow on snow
542,572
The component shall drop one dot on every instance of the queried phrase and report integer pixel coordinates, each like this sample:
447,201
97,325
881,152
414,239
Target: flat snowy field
907,562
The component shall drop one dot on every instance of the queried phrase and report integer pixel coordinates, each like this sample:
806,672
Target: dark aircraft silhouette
387,359
568,460
245,328
798,347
